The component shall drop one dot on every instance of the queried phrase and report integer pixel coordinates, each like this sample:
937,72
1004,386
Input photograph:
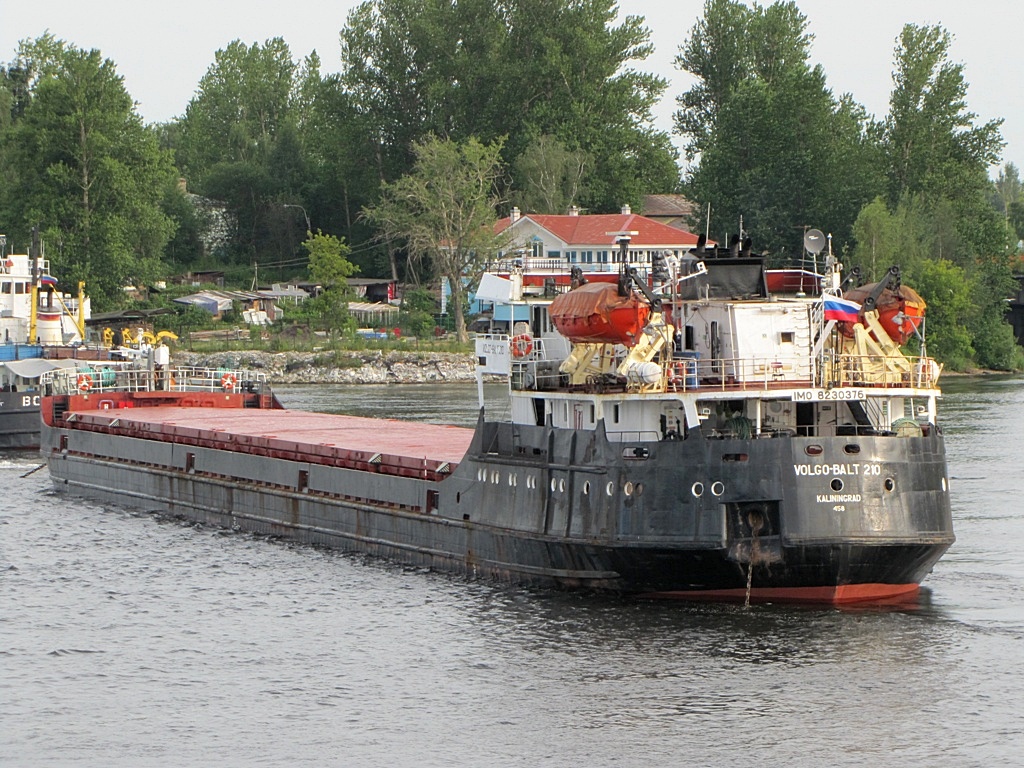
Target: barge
742,446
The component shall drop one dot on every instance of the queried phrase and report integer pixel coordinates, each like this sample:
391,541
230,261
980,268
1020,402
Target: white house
551,242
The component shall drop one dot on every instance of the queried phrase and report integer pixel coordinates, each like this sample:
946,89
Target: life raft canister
522,345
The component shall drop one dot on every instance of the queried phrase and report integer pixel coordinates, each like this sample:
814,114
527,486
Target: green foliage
328,262
88,172
775,147
417,315
965,303
192,318
329,267
242,141
241,103
444,211
946,289
528,69
931,143
186,246
287,150
548,176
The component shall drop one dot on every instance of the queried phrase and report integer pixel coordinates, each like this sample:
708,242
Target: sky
162,50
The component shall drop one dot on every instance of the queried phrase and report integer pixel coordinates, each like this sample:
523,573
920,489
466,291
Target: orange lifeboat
900,312
596,313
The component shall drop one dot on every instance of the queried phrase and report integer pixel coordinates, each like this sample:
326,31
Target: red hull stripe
837,595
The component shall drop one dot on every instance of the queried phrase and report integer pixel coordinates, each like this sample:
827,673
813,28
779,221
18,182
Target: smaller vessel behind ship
36,321
734,445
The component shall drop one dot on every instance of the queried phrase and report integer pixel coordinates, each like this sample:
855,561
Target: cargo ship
737,445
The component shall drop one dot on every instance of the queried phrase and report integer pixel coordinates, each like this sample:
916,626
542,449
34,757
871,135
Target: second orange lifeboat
900,312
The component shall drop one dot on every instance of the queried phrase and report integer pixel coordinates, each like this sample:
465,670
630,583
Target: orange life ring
522,345
227,381
84,382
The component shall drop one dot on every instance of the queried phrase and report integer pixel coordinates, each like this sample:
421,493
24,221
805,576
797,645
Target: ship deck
384,445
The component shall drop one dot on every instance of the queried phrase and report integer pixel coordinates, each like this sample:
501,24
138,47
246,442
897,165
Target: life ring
522,345
84,382
227,381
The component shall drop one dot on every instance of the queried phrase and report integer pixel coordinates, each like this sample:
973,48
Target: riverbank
340,367
372,366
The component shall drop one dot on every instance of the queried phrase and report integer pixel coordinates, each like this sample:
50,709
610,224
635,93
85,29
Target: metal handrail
105,379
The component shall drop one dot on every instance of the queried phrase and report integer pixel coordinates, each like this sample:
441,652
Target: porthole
610,489
697,489
561,485
628,488
639,489
554,485
813,450
496,477
586,488
944,485
836,484
717,488
889,484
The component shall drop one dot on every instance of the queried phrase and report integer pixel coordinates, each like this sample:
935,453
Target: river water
128,640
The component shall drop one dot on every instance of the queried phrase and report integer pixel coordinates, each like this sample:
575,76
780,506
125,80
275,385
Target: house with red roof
557,242
542,249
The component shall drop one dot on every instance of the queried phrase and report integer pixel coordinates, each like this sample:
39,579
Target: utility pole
309,227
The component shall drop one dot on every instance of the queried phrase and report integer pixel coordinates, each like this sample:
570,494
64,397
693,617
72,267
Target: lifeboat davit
596,313
900,312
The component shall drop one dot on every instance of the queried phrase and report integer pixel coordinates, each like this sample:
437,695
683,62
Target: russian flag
48,280
843,310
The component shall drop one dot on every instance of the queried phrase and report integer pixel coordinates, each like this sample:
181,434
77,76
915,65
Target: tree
241,103
523,69
418,309
444,211
930,139
877,240
717,55
947,290
938,158
548,176
330,268
88,171
343,160
1007,197
243,141
775,147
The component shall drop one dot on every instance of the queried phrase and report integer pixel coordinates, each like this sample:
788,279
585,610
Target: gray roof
37,366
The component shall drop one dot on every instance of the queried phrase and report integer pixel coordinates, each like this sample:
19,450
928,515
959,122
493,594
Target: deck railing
536,371
131,378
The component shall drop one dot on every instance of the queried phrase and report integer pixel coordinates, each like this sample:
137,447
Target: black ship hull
19,420
568,509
